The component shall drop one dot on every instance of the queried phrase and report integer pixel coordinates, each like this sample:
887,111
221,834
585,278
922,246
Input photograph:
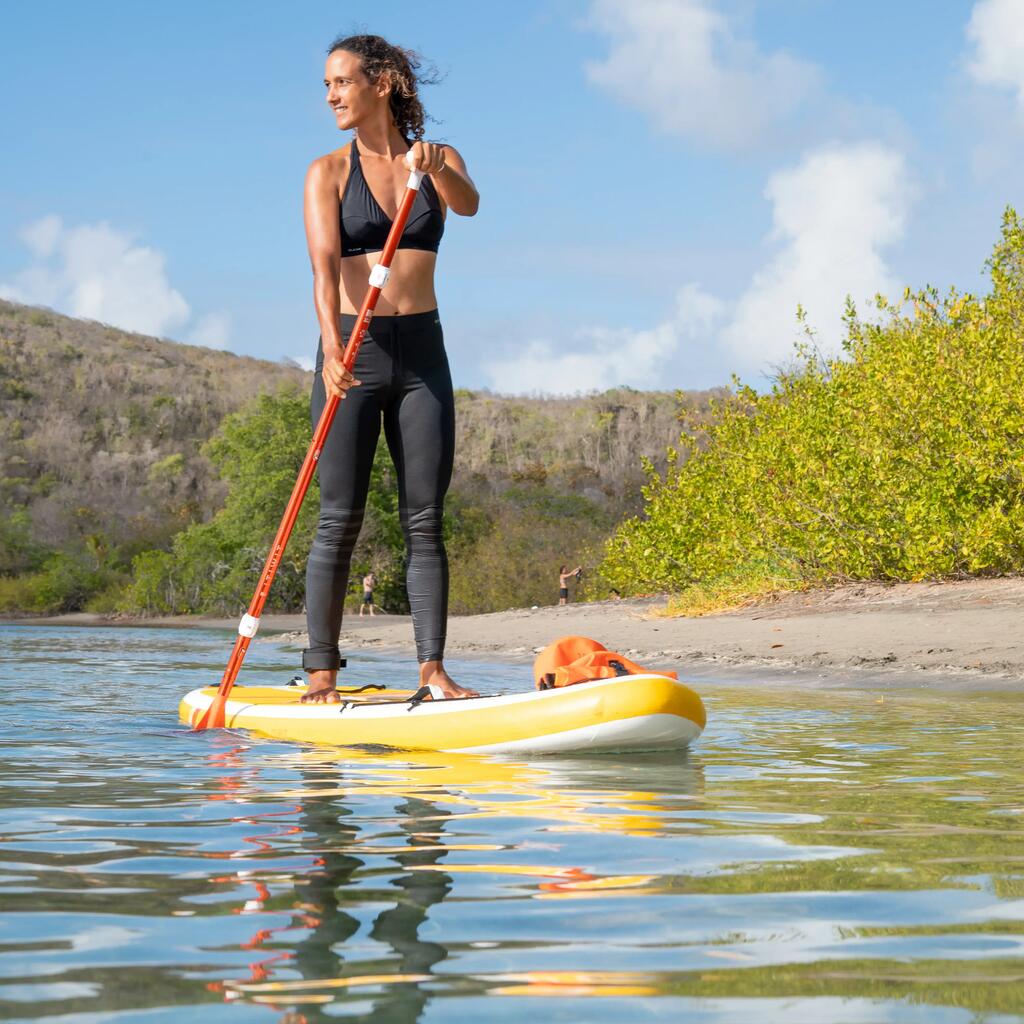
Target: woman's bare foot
432,673
321,688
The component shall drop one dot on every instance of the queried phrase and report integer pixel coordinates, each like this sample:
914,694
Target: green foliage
737,589
63,584
18,551
901,461
167,471
214,566
506,553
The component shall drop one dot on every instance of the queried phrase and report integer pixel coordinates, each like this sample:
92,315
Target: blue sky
662,180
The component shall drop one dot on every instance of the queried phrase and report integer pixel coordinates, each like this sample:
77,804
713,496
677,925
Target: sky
663,182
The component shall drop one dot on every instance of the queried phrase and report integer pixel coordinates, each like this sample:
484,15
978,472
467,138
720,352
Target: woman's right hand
337,380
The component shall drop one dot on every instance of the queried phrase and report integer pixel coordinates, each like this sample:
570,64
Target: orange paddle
213,717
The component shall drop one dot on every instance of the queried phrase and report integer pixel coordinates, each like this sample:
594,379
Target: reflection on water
816,857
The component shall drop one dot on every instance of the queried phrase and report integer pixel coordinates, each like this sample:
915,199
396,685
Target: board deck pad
285,695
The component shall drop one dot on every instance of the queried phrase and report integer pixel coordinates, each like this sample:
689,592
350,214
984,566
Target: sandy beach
923,632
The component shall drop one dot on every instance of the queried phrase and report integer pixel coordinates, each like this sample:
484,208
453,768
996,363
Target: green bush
18,551
63,584
901,460
506,553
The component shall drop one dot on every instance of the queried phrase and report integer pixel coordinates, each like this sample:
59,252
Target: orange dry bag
578,659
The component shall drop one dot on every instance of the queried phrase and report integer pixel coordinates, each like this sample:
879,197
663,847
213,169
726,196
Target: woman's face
350,94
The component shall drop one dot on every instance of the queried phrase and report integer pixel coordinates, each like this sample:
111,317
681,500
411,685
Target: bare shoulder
331,169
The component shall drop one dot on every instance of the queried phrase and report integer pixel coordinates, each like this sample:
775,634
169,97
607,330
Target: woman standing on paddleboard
401,374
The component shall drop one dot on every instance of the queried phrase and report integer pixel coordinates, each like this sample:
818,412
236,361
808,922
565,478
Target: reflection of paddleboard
643,712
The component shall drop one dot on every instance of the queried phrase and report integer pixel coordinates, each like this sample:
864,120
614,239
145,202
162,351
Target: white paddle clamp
248,625
415,177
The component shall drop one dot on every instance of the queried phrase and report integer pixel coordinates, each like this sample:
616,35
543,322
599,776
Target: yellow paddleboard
641,712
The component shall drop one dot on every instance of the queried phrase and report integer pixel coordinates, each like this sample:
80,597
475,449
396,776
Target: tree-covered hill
113,445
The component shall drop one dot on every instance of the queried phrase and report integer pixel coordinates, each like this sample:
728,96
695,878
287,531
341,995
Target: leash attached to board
214,716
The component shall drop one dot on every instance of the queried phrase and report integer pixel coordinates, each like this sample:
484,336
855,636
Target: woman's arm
448,172
323,236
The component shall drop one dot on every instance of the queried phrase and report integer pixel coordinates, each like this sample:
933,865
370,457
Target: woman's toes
321,697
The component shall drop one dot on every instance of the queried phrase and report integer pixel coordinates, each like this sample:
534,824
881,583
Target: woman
401,374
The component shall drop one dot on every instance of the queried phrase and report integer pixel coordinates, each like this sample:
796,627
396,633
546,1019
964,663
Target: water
818,856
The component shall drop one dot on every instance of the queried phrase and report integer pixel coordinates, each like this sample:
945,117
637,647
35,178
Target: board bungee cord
214,718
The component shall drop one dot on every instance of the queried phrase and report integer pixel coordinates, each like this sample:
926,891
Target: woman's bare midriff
410,288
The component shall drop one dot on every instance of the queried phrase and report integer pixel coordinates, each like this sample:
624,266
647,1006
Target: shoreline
968,633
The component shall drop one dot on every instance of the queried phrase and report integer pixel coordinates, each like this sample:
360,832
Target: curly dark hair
402,67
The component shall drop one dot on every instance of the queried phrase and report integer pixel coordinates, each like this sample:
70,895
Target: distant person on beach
563,582
369,582
401,376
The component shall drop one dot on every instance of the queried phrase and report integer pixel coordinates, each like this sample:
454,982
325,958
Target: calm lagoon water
817,857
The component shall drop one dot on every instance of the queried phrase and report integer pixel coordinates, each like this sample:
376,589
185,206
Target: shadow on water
841,856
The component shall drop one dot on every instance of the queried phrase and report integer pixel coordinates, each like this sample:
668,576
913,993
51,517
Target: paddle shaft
214,716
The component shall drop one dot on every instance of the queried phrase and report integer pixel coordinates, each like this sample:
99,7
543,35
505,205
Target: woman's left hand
427,157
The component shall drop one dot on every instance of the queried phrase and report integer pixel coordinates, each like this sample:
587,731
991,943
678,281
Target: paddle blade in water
213,717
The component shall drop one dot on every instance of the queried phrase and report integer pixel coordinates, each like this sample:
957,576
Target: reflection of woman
563,582
329,892
355,879
401,374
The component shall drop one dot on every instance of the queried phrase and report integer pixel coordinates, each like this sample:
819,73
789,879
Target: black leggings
406,383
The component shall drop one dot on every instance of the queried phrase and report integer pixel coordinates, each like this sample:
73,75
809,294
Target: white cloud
97,272
100,273
834,214
603,358
683,64
212,330
996,30
42,236
609,358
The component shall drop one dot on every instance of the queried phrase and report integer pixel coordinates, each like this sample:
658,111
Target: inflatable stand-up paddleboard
635,712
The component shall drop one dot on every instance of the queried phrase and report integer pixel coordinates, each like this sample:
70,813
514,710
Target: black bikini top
365,226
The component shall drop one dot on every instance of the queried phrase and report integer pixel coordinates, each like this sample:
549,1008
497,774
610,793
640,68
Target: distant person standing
563,582
369,582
